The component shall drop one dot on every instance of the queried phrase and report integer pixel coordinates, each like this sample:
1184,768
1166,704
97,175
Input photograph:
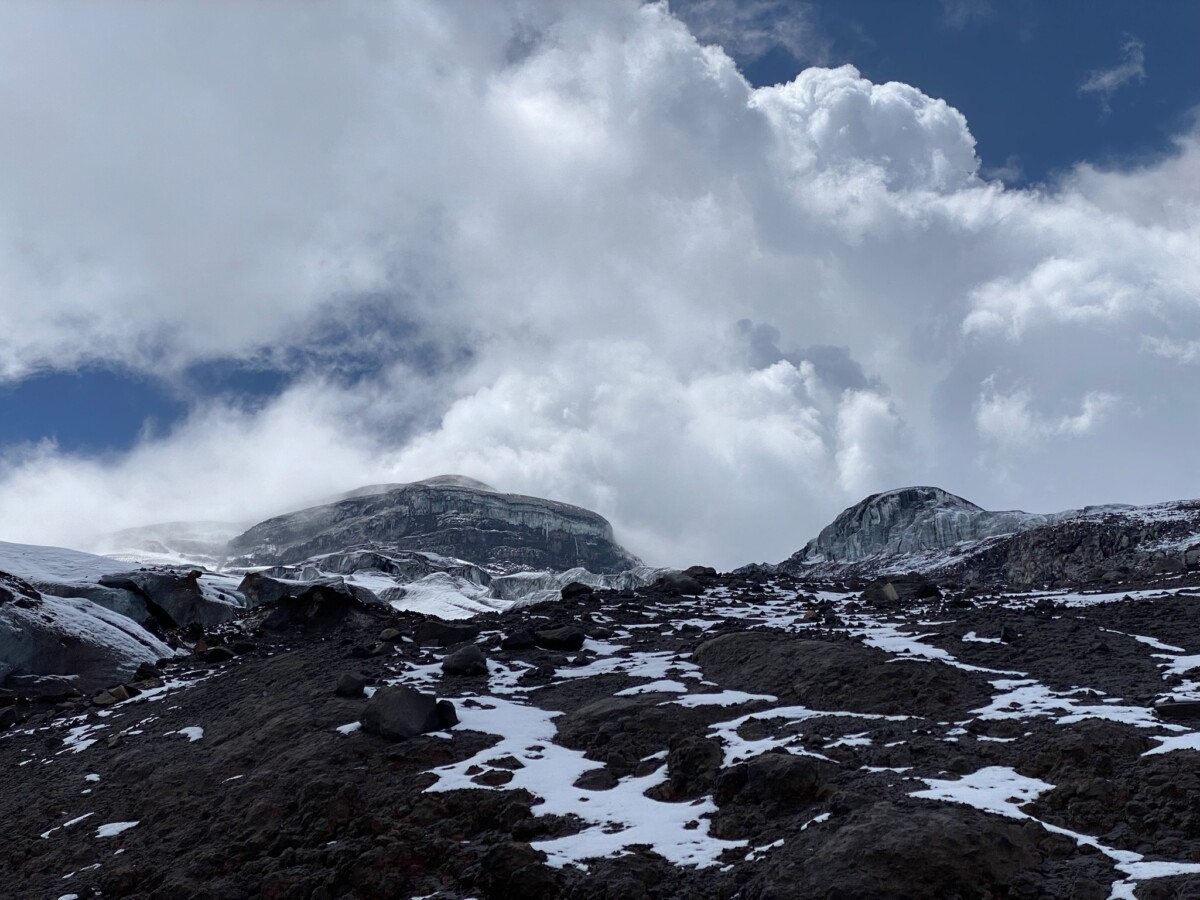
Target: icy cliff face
909,520
449,515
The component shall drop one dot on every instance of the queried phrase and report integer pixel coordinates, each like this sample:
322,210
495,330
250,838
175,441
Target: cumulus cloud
1105,82
1008,419
564,247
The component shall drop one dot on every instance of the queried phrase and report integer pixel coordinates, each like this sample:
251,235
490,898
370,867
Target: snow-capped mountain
449,515
927,529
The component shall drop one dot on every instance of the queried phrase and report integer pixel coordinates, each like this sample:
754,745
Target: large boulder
403,712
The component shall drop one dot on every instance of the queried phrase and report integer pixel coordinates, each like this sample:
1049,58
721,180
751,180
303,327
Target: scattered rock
351,684
518,640
401,712
219,654
577,591
562,637
681,583
468,660
444,634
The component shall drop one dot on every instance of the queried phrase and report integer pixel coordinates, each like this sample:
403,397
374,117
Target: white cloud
1132,67
1181,351
576,203
1008,419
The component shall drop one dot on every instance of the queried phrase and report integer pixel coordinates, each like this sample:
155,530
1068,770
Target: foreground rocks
769,738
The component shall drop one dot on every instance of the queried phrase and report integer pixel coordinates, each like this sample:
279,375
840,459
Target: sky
716,270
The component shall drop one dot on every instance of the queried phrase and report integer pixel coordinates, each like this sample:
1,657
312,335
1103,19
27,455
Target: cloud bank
565,248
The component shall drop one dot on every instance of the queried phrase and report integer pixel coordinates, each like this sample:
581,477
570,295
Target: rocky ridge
930,530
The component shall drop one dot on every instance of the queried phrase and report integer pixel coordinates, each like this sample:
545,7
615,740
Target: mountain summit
449,515
930,530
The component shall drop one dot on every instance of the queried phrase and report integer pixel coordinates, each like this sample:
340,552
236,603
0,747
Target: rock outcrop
69,636
450,516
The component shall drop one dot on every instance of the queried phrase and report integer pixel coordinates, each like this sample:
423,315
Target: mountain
365,717
449,515
929,530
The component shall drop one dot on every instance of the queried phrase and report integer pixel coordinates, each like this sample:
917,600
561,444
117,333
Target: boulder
350,684
318,608
468,660
577,591
681,583
401,712
518,640
561,637
777,782
444,634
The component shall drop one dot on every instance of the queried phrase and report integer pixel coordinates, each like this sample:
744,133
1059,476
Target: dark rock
446,715
679,583
517,872
692,766
350,684
1008,634
600,779
838,675
1175,710
147,671
218,655
924,854
8,718
577,591
42,687
777,782
468,660
700,572
444,634
317,608
400,712
518,640
562,637
391,635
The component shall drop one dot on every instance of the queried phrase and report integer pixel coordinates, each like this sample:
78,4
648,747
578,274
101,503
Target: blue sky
1014,68
262,253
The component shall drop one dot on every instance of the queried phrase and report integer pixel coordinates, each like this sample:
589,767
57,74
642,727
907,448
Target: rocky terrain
766,733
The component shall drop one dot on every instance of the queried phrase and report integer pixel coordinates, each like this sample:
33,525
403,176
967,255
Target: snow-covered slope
171,543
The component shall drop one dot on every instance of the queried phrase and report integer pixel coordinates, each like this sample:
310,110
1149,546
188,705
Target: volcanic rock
468,660
400,712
